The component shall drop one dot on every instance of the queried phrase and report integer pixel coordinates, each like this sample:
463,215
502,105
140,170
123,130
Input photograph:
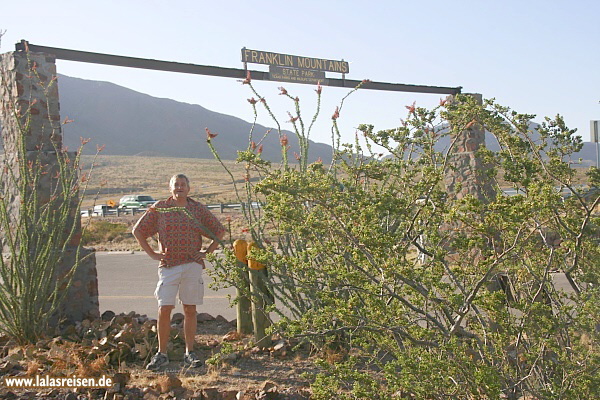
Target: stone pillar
30,116
466,175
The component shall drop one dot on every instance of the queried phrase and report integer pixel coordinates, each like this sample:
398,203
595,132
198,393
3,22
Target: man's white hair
178,176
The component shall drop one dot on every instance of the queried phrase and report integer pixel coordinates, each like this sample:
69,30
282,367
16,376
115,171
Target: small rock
211,394
118,321
269,391
231,358
150,394
280,349
232,336
247,395
115,388
168,382
269,386
121,377
177,318
179,393
204,317
107,315
229,394
221,319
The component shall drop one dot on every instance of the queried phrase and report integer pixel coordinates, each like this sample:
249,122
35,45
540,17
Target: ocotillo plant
39,218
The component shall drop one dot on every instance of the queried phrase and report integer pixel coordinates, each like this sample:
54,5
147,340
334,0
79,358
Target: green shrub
478,316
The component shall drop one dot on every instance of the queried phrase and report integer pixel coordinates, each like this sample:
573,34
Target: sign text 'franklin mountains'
298,62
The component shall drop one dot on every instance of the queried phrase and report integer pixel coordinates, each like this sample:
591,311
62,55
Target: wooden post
244,305
222,208
259,302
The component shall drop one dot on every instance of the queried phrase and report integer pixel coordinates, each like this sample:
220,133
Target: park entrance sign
298,69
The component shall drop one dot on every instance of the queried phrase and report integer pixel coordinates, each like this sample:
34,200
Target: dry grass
116,176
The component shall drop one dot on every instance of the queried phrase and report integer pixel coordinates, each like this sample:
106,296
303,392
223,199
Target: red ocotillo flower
411,108
252,101
260,149
292,119
252,145
67,121
248,78
297,156
100,148
209,134
336,114
283,91
443,102
319,87
283,140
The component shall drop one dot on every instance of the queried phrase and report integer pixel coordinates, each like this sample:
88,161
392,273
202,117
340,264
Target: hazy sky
539,57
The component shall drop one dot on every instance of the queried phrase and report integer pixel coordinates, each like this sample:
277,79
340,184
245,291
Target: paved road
126,282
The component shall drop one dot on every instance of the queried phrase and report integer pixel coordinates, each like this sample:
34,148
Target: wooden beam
170,66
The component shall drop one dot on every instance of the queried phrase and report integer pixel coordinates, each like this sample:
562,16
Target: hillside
132,123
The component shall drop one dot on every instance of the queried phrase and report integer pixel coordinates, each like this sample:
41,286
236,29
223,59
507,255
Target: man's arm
145,246
215,243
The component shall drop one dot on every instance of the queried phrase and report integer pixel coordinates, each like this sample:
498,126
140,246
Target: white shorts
185,279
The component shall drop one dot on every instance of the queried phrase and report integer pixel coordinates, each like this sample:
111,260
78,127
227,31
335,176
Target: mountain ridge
159,126
132,123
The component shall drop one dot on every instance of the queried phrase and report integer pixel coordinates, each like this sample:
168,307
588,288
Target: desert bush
477,314
100,231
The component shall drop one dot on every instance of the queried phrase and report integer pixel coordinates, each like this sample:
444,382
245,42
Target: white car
136,201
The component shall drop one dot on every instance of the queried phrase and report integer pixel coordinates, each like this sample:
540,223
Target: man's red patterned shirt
180,229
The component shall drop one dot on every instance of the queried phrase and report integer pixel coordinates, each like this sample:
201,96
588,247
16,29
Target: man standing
180,223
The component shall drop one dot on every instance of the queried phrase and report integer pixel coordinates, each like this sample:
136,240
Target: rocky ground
119,346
